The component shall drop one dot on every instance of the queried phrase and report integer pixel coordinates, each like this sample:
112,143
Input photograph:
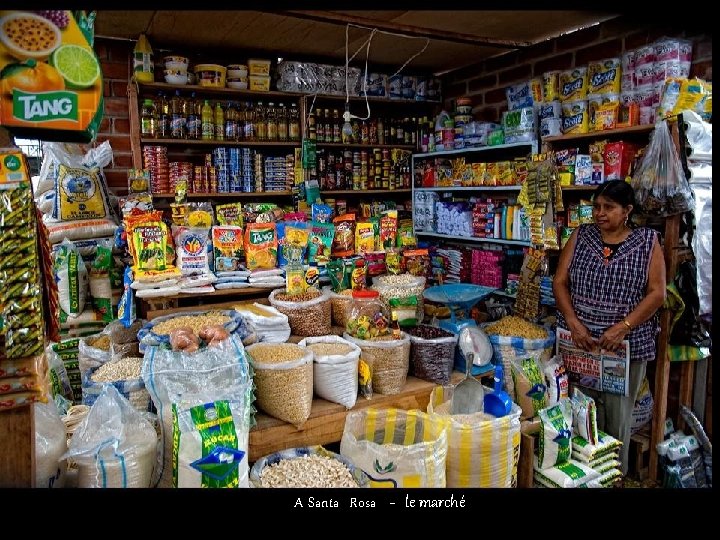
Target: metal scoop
468,395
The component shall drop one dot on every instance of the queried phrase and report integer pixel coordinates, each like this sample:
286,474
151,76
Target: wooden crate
640,455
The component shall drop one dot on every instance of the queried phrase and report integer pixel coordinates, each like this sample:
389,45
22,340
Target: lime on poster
50,78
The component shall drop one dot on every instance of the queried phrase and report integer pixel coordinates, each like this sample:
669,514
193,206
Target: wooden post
134,114
687,378
17,448
662,372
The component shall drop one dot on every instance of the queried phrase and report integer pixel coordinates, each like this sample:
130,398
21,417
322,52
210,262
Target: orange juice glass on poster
50,77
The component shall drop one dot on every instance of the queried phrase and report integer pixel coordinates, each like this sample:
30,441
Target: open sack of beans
396,448
515,338
196,390
309,313
387,359
432,351
283,375
157,331
483,450
115,446
335,368
306,467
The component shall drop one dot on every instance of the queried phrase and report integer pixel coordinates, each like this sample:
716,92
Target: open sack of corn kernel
483,451
396,448
514,338
201,385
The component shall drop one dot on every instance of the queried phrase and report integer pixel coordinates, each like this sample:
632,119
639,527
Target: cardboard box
618,157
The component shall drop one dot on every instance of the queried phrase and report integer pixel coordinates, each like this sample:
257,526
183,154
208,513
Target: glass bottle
231,127
282,123
355,139
250,113
409,130
207,119
294,126
163,112
336,138
192,121
320,126
219,122
177,120
312,126
260,125
328,127
148,119
373,136
364,133
240,133
271,122
393,133
380,131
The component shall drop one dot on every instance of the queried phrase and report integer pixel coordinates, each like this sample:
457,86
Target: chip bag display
344,241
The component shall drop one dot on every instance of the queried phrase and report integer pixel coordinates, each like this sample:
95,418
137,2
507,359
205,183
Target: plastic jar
369,317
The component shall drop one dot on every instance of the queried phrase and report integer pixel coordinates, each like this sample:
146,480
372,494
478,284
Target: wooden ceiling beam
415,31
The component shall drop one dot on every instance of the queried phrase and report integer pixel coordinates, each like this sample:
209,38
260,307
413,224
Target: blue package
321,213
126,307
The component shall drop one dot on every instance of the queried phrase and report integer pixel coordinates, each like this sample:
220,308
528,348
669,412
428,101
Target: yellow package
550,86
573,84
155,276
297,234
575,117
261,246
199,215
229,214
608,105
604,76
150,244
478,173
80,194
492,174
505,173
364,237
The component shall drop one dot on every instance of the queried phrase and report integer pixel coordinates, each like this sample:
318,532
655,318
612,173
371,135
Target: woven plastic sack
131,389
271,328
284,389
335,376
506,348
396,448
115,446
388,362
214,373
308,318
483,451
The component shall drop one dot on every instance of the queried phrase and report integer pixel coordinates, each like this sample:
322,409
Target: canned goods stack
275,174
221,162
156,161
246,182
180,170
289,171
258,169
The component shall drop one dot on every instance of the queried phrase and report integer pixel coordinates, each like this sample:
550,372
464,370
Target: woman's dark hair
618,191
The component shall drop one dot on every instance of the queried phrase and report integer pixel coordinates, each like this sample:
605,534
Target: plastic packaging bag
388,361
50,445
335,376
432,351
187,378
72,279
659,182
555,435
115,445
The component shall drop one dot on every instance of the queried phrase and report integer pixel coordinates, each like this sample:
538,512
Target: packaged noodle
260,246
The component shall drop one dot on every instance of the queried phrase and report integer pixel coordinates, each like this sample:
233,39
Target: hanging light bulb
346,132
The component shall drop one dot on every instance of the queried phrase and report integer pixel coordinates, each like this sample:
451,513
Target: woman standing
608,287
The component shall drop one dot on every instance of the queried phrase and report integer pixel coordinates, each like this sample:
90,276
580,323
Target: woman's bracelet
626,323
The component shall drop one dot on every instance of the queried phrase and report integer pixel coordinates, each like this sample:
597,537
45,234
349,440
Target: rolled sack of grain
309,313
283,380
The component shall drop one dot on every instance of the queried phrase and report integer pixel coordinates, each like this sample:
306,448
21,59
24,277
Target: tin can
385,154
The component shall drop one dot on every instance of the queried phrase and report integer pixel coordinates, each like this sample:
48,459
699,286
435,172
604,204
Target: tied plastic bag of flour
72,279
115,446
50,445
555,434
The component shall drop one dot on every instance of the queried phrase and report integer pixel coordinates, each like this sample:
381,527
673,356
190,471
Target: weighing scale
459,297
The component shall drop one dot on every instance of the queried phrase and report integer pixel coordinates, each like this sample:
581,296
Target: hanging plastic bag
660,185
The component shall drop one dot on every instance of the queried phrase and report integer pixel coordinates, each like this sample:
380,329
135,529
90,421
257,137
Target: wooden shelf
632,130
327,420
193,142
579,188
532,145
373,99
187,88
237,195
366,146
366,192
470,188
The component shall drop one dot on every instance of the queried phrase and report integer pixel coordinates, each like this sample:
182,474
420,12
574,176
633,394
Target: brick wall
115,58
485,82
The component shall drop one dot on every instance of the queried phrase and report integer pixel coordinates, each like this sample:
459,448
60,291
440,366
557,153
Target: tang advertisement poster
601,370
50,78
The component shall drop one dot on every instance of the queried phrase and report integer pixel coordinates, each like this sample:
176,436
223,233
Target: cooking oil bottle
208,122
219,123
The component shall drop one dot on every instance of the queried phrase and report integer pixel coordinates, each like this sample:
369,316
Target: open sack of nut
335,368
283,375
308,312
